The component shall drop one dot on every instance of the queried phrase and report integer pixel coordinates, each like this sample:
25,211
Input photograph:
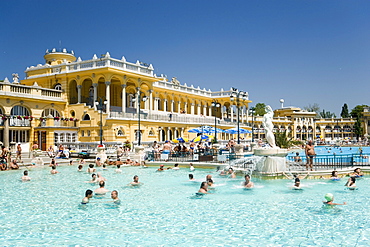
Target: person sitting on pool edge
203,188
329,200
88,195
357,173
351,183
101,190
248,183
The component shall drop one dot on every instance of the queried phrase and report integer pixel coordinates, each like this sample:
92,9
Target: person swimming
118,170
54,170
94,179
80,167
351,183
191,177
161,168
25,176
88,195
357,173
203,188
334,176
91,168
135,181
329,197
231,173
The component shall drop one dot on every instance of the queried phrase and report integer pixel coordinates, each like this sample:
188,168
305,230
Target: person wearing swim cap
161,168
329,197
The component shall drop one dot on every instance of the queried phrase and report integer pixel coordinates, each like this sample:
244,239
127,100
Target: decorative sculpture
268,126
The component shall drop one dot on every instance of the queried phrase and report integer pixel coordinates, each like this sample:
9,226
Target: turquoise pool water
326,150
163,212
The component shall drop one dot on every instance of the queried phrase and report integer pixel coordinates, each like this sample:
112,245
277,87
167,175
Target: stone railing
94,63
18,90
175,118
19,122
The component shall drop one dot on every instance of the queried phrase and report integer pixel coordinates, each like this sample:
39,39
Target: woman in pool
231,173
351,183
80,167
329,200
203,188
357,173
334,176
297,180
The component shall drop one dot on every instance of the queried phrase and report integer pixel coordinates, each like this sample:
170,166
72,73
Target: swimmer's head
98,158
176,165
329,197
91,166
118,166
114,194
101,184
191,176
104,165
247,177
334,173
204,185
88,193
80,167
93,175
136,178
161,166
357,170
25,173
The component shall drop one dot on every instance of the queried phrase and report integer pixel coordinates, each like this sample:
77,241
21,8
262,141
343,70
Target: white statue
15,78
268,126
175,81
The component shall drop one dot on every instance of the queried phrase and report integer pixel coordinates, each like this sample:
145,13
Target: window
19,111
120,133
88,133
51,112
58,86
151,132
82,133
86,117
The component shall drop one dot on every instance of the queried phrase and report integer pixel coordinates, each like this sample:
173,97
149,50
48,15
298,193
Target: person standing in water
248,183
88,195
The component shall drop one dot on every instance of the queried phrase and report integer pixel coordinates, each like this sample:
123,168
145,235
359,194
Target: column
178,106
165,105
171,106
150,101
204,110
79,93
186,107
222,112
192,108
95,85
6,133
156,104
210,111
107,95
242,114
198,109
123,86
232,113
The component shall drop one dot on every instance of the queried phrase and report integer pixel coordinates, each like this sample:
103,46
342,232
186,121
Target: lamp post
99,105
238,96
252,111
139,99
215,105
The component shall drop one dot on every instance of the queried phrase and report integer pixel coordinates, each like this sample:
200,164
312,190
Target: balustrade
19,122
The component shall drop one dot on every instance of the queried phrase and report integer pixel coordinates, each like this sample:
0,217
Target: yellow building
59,102
303,125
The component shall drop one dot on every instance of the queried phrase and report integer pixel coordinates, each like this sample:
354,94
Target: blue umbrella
203,129
235,131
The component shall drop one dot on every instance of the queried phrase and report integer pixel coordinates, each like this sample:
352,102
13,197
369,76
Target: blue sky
302,51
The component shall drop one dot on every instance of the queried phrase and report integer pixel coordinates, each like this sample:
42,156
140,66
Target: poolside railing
335,161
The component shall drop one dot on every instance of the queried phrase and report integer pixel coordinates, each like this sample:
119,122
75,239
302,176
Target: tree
327,114
357,111
344,113
282,140
260,109
312,108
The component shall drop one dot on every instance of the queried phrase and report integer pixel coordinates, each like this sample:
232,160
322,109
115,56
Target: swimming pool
162,212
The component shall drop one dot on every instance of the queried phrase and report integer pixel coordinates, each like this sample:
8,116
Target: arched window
52,112
151,132
58,86
19,110
120,133
86,117
88,133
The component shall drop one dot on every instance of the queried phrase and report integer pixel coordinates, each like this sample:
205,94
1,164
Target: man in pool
114,196
209,178
91,169
101,190
248,183
161,168
25,176
203,188
329,200
310,154
191,177
136,181
118,170
88,195
54,170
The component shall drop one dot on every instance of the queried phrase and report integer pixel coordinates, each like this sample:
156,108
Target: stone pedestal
101,154
239,148
272,164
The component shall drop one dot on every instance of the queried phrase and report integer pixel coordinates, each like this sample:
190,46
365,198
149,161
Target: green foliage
282,140
260,109
358,128
312,108
327,114
344,113
357,111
